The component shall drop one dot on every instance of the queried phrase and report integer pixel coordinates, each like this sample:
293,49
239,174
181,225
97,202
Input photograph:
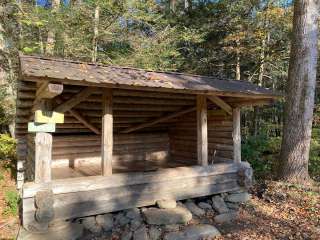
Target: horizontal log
118,180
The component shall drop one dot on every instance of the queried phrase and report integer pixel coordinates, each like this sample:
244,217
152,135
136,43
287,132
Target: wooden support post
43,153
202,130
107,132
236,135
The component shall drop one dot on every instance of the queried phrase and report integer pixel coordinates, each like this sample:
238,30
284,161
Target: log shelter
103,138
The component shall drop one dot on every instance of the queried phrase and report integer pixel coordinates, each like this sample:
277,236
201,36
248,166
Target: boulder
195,232
121,219
166,203
238,197
194,209
233,206
154,233
171,227
90,224
176,215
126,234
141,233
226,217
219,205
133,213
135,224
205,206
105,221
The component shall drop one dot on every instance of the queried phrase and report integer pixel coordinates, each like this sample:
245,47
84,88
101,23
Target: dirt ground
276,211
9,223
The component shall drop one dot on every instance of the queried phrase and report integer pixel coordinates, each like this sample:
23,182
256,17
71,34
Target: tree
300,93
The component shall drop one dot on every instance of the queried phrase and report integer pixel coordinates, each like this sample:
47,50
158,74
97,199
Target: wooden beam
80,118
75,100
48,90
202,130
220,103
107,133
43,154
251,103
159,120
236,135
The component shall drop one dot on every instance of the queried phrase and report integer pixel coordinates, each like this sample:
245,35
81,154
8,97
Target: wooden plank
107,133
220,103
43,148
41,127
75,100
41,116
127,179
236,135
159,120
202,130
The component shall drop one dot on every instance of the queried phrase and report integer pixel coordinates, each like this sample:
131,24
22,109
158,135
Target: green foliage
7,147
12,200
314,159
260,152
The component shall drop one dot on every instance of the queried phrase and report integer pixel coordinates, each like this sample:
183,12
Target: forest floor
9,220
276,211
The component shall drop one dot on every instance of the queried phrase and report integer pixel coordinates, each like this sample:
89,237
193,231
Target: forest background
246,39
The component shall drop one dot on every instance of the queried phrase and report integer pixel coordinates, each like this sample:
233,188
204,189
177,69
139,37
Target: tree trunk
172,5
238,68
95,34
300,94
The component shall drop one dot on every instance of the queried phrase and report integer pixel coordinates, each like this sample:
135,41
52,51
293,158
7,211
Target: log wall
183,137
74,143
86,149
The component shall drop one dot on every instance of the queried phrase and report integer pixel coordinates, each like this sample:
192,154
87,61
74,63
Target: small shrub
7,147
259,151
314,160
12,202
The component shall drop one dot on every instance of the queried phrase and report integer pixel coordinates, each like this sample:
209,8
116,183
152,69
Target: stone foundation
187,220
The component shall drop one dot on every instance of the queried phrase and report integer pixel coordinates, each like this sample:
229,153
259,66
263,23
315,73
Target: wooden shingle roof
80,73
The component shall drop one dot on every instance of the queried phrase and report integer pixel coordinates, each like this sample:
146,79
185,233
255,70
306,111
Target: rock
58,230
176,215
195,232
135,224
194,209
90,224
44,215
205,206
133,213
238,197
166,203
105,221
154,233
141,234
121,219
126,234
219,205
172,227
233,206
226,217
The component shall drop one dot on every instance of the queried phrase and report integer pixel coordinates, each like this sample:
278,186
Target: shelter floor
94,169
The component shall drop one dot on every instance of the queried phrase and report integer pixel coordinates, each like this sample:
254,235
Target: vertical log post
236,135
43,150
107,133
202,130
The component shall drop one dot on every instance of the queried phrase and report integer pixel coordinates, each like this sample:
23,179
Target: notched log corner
44,206
245,177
